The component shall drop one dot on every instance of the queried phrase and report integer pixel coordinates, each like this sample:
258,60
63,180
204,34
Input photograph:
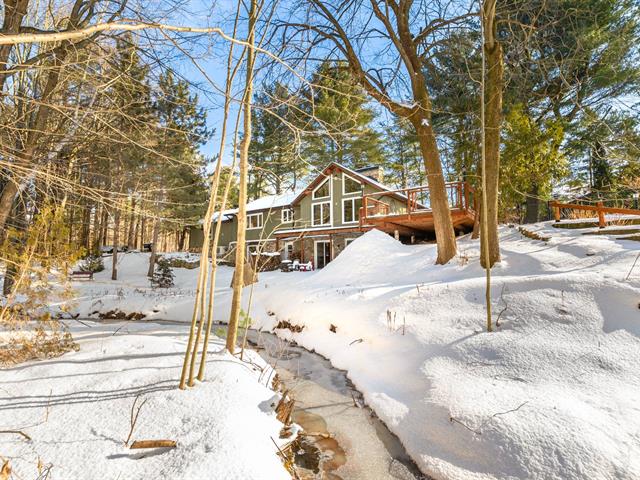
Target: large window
287,215
321,213
349,185
323,191
351,210
254,221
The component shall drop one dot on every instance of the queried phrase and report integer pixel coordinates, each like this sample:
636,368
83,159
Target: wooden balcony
408,211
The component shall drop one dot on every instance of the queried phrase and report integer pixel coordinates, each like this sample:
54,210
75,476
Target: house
338,205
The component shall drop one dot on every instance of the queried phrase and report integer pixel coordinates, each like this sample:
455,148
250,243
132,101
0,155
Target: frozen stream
348,439
344,438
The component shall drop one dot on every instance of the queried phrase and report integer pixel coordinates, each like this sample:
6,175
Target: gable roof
329,169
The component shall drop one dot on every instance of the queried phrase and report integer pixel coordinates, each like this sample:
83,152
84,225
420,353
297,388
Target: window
321,213
253,249
254,221
351,210
348,241
349,185
323,191
287,215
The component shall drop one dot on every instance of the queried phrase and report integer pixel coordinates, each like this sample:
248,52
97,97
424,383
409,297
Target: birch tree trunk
238,279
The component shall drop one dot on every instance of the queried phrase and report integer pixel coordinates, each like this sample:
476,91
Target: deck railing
415,200
599,208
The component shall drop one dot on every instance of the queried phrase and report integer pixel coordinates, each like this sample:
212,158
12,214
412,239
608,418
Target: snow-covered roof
262,203
272,201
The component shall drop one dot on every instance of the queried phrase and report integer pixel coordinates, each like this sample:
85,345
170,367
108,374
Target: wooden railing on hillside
416,200
599,208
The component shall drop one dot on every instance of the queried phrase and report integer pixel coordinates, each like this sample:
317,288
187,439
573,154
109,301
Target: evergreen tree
338,113
182,131
403,166
163,275
93,263
531,162
273,155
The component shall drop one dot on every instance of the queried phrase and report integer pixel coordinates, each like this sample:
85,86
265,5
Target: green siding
272,219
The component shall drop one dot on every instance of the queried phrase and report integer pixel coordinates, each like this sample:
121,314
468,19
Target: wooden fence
599,208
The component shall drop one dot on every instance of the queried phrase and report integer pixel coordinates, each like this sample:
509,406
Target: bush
93,264
163,275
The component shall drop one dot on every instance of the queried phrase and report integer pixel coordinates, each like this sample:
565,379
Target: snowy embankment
76,410
554,392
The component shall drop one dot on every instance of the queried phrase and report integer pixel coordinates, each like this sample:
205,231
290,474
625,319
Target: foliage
339,115
531,159
38,257
162,275
273,152
403,164
93,263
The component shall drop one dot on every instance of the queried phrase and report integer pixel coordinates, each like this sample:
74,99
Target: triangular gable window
323,190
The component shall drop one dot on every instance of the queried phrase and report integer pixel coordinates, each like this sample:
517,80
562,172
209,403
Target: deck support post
396,234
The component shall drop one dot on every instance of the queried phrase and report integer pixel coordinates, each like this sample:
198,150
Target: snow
272,201
76,408
553,393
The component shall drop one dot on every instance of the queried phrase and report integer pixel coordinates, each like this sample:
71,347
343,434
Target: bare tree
238,279
397,25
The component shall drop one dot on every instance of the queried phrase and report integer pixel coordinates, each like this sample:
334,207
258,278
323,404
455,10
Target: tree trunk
97,229
234,316
143,231
132,221
136,235
154,247
105,226
181,238
443,224
493,121
116,228
20,224
533,206
86,227
9,193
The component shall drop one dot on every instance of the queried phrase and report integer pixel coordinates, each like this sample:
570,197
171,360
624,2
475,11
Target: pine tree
273,155
403,166
93,263
338,110
163,275
182,130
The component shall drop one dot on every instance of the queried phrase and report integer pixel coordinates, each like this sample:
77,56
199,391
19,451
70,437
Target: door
322,253
288,250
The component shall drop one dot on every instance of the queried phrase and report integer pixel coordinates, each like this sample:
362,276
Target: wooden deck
413,215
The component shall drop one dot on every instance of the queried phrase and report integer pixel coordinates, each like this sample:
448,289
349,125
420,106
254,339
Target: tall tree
339,119
274,154
399,27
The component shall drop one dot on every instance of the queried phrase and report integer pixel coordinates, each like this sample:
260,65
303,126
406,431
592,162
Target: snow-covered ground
553,393
76,409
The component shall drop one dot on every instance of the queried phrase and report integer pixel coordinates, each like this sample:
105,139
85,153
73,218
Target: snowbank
76,409
553,393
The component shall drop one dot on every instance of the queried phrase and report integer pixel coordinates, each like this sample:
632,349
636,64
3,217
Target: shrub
93,263
163,275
